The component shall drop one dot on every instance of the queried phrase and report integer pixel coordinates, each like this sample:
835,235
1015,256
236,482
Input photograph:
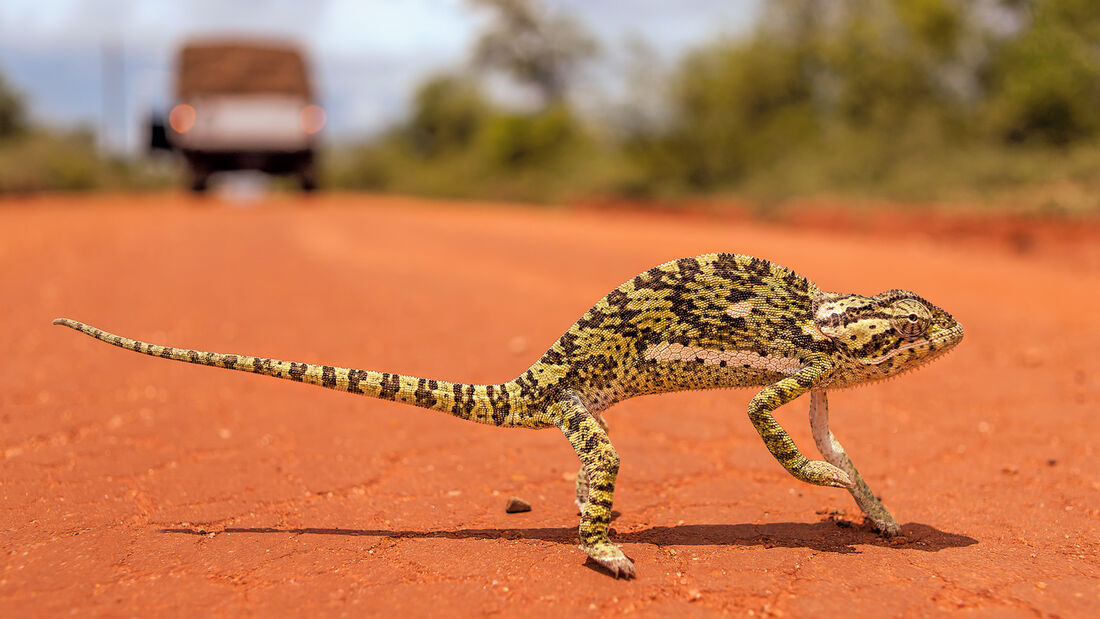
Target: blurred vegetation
34,159
12,112
909,99
983,101
456,142
913,100
539,49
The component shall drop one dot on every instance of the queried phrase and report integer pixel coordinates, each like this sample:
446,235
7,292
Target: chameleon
713,321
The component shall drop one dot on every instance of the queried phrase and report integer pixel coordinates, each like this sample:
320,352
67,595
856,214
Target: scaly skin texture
714,321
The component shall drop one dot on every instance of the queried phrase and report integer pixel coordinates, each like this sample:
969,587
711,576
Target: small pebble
516,505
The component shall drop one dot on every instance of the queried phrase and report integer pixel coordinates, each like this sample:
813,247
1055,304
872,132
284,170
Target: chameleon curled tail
498,405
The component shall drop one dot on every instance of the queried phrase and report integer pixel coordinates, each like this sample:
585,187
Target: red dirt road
131,485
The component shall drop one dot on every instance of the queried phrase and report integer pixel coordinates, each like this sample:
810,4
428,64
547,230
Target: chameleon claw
887,529
612,559
822,473
845,482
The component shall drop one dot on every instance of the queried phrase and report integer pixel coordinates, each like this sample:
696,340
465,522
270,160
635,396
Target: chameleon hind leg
834,453
582,476
777,440
600,465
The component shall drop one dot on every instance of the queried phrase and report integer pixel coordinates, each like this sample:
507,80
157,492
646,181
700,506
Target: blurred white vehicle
243,106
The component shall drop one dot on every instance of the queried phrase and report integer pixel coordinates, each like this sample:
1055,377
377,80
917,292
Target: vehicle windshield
235,69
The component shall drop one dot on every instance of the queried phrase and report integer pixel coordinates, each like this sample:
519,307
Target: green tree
448,112
536,48
1045,82
12,112
812,73
735,107
513,141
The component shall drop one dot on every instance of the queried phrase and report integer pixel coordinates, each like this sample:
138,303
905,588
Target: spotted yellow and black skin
713,321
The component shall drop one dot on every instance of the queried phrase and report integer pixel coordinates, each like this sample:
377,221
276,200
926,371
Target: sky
367,55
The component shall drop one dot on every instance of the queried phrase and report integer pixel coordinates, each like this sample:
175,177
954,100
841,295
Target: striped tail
498,405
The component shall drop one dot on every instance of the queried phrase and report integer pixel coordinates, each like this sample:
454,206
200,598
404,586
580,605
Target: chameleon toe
612,559
620,567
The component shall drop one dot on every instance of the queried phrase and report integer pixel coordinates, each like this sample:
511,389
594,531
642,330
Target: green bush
510,141
456,144
448,112
918,100
38,161
1046,82
12,112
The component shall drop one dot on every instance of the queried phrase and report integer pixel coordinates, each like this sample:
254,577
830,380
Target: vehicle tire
307,177
199,178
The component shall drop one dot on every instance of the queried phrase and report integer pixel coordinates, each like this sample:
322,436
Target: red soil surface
131,485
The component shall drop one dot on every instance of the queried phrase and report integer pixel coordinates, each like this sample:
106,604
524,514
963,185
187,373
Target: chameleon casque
714,321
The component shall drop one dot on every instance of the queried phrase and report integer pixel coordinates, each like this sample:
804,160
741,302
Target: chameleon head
883,335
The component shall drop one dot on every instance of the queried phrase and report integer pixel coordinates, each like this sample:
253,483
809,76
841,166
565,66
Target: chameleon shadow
825,536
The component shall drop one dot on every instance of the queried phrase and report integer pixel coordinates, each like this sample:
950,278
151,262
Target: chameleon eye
911,318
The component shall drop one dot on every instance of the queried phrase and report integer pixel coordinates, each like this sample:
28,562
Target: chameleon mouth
951,336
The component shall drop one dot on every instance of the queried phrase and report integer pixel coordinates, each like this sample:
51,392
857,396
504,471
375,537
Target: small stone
516,505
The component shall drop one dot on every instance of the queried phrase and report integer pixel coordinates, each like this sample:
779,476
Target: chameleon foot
611,557
822,473
888,528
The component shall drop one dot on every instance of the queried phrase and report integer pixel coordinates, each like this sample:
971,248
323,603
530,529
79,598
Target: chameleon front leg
582,477
600,465
777,440
835,454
